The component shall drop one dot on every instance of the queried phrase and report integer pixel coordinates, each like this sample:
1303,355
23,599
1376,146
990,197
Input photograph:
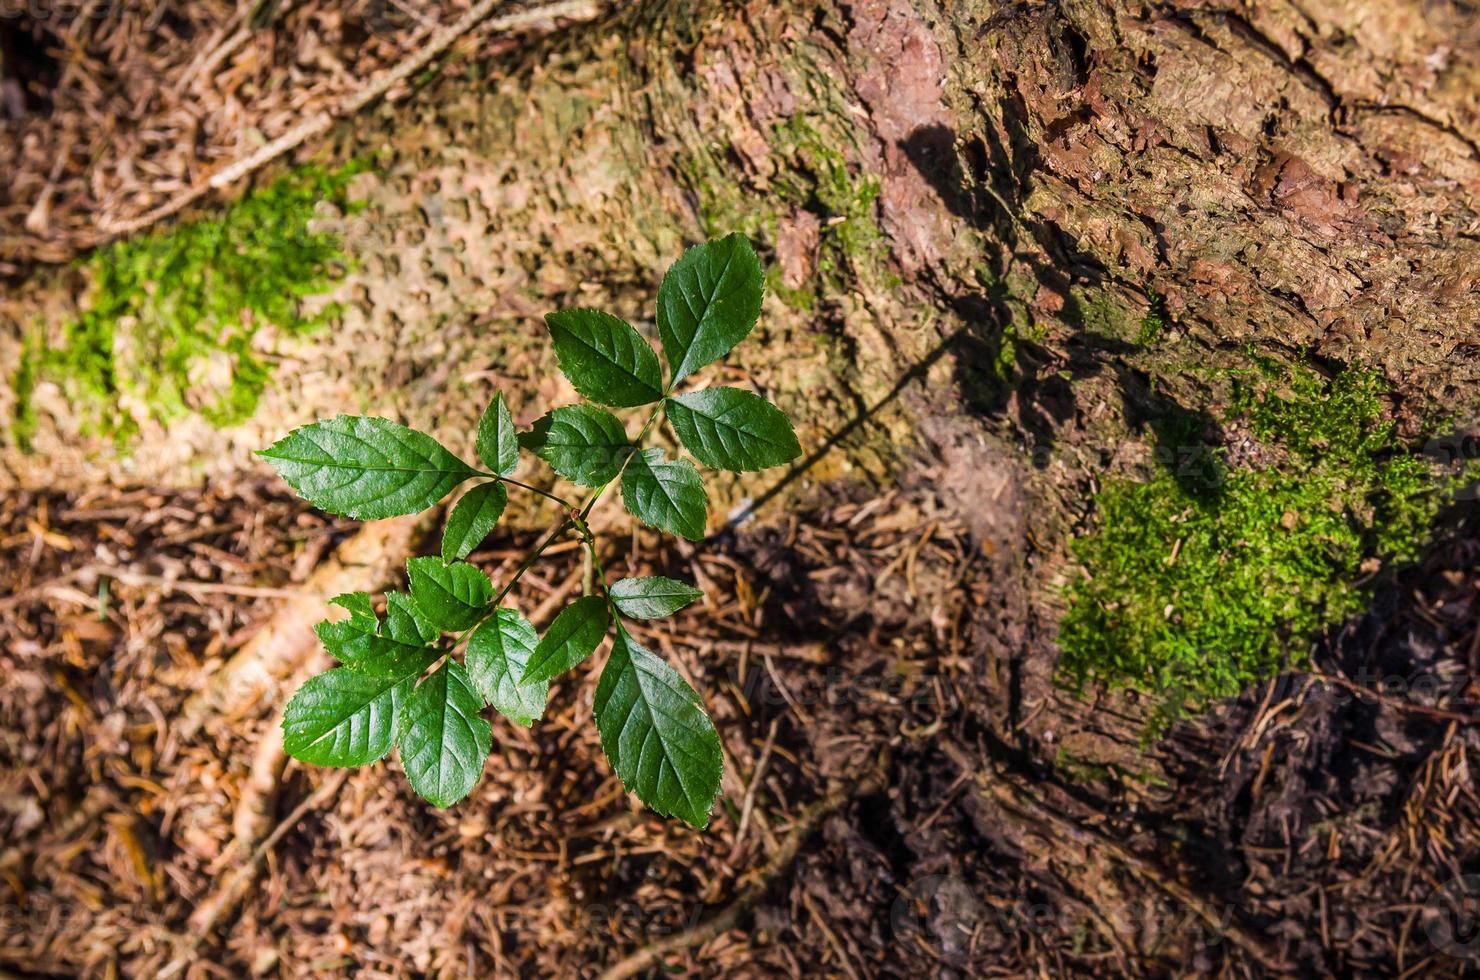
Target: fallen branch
363,563
258,800
225,897
136,579
259,795
1399,704
651,956
756,775
320,123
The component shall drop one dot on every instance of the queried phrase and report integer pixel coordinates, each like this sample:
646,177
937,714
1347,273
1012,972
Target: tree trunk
1291,176
1002,237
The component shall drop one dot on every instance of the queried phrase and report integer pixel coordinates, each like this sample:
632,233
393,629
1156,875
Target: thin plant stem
574,518
568,505
636,448
525,565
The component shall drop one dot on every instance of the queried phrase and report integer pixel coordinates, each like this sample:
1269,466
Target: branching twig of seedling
402,684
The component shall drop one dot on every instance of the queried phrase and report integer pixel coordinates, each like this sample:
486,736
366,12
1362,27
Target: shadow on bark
985,183
916,372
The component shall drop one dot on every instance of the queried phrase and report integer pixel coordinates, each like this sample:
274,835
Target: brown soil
107,111
1311,824
880,668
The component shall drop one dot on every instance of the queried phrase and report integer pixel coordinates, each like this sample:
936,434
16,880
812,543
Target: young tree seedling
402,683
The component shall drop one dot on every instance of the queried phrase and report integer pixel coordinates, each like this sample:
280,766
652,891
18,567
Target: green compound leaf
651,598
708,302
582,443
498,442
656,734
347,717
498,652
363,642
570,639
403,618
666,494
605,358
733,429
452,595
443,740
366,467
476,513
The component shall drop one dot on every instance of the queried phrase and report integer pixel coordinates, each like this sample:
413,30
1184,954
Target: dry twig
373,91
234,887
780,862
362,563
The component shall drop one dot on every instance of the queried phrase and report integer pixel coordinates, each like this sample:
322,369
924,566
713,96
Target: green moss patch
846,202
1154,321
812,174
167,303
1216,573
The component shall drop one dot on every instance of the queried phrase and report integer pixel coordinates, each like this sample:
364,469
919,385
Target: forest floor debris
847,635
114,115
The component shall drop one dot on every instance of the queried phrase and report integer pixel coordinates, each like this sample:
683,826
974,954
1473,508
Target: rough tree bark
1296,175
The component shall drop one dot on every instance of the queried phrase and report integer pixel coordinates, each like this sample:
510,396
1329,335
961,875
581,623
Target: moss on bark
1220,569
170,324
